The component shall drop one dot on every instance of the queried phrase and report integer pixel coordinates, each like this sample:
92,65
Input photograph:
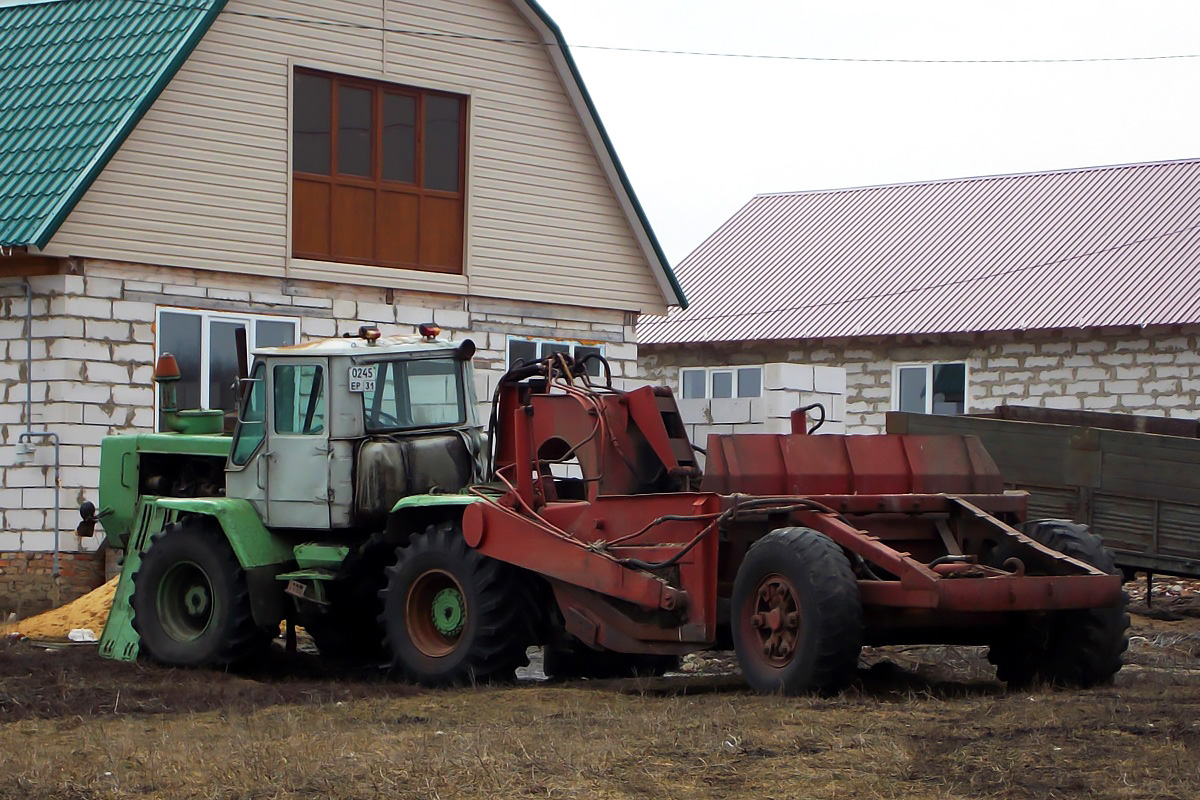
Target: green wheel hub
185,602
435,613
448,612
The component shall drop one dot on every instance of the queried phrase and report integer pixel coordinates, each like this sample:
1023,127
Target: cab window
299,395
414,393
249,433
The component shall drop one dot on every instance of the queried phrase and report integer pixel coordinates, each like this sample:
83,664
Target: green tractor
332,494
357,497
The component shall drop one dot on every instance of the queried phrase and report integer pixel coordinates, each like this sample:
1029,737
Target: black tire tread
503,631
1077,648
838,607
242,638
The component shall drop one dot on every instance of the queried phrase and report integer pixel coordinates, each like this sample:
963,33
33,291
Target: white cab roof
355,346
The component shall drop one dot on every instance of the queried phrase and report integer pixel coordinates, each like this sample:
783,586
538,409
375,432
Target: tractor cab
332,433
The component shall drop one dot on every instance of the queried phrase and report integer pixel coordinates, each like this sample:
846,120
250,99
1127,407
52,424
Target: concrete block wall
1153,371
786,387
93,347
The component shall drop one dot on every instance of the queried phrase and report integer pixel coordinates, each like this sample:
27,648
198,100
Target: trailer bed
1137,487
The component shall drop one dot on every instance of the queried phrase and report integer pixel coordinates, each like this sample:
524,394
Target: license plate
362,378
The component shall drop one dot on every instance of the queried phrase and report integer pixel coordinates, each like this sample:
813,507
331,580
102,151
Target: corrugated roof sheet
1078,248
75,78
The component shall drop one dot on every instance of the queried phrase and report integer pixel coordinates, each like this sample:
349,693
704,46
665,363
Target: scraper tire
1077,648
796,614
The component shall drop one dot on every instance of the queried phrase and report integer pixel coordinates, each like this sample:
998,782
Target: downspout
26,439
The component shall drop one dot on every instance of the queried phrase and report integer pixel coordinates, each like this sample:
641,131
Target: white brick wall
1152,371
93,347
786,387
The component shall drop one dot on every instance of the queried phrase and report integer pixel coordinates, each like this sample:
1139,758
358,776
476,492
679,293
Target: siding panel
204,179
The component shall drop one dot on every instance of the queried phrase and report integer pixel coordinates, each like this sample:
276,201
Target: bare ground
925,722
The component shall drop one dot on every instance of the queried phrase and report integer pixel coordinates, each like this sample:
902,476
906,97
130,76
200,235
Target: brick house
1075,289
173,171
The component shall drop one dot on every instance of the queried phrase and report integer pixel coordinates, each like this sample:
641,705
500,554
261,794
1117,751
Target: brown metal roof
1079,248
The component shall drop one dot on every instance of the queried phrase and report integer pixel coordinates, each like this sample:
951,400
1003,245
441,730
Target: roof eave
573,82
88,176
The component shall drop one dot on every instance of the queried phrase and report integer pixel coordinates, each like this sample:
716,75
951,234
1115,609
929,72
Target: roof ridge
973,178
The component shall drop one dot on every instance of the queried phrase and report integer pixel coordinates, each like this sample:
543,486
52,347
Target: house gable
204,179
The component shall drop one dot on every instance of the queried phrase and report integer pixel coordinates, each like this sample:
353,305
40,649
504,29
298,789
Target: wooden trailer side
1139,491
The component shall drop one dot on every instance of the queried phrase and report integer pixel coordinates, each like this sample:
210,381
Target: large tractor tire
451,614
797,617
1076,648
190,603
574,660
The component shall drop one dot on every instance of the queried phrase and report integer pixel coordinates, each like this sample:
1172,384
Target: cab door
297,455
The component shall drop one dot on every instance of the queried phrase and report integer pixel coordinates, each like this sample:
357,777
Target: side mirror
88,519
243,387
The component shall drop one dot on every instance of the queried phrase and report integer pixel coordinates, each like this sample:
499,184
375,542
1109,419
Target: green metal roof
76,76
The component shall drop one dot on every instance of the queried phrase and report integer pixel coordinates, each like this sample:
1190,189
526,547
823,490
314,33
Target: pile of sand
89,611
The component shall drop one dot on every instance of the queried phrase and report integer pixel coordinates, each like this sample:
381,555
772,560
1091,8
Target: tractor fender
413,513
261,553
432,500
252,543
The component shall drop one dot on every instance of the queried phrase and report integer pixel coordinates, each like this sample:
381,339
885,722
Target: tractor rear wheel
1076,648
451,614
796,614
190,603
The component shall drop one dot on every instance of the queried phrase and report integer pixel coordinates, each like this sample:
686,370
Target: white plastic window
935,388
203,342
526,350
721,383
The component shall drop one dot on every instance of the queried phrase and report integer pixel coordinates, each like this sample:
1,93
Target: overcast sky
700,135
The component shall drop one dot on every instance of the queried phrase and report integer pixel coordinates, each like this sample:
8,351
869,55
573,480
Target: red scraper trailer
798,548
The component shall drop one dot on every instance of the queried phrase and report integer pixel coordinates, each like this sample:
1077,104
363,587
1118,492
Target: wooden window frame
375,182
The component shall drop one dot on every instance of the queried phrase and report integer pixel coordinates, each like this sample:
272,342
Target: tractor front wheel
190,603
796,614
452,615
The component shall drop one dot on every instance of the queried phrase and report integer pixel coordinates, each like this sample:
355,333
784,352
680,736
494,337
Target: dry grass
921,723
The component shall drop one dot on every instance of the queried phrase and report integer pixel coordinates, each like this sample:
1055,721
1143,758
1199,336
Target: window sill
386,277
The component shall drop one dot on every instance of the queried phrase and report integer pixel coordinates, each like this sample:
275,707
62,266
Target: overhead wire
683,317
455,35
